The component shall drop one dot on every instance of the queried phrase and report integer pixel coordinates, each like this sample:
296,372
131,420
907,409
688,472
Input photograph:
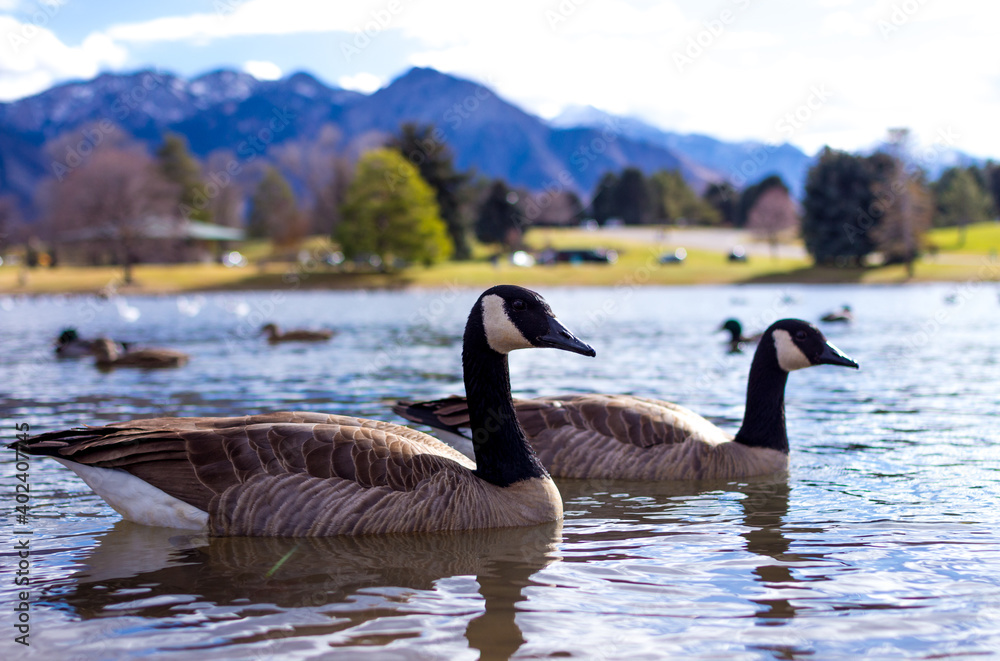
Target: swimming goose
108,355
626,437
736,339
69,344
275,334
313,474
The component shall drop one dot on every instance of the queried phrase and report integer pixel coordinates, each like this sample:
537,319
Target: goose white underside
137,500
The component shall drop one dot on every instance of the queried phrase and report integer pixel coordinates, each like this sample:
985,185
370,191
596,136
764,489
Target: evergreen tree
604,203
390,212
841,207
499,219
634,199
422,146
179,167
725,199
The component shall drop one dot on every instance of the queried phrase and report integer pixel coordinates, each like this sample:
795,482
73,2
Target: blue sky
837,72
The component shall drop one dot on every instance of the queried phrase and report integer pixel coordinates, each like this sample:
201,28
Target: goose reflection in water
658,510
340,583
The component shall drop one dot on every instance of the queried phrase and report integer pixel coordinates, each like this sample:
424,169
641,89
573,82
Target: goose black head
799,344
517,318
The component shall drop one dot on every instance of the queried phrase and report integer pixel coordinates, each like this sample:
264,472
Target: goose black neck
764,417
503,455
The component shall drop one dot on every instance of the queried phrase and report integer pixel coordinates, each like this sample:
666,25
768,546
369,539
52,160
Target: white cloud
361,82
262,70
32,58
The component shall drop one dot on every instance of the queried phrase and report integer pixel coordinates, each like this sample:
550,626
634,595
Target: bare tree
111,196
772,215
907,204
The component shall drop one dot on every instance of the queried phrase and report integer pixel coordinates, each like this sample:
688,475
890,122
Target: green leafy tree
499,219
674,200
841,207
423,147
960,201
274,213
390,212
179,167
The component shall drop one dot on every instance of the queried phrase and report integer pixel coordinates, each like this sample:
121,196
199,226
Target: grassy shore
638,263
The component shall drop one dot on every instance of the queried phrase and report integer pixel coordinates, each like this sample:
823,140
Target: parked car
578,256
738,254
676,257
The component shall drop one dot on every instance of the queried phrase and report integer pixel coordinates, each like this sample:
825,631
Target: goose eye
800,335
519,305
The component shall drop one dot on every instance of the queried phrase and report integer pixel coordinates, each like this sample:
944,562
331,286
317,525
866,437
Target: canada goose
109,355
844,314
736,339
626,437
69,344
275,334
311,474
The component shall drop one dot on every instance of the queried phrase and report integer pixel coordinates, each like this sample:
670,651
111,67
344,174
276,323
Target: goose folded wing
197,459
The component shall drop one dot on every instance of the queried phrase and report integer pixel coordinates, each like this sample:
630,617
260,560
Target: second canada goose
312,474
634,438
108,355
275,334
736,337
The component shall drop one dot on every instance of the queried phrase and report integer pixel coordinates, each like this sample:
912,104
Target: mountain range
227,110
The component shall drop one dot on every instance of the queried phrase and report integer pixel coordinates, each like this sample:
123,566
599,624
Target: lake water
882,540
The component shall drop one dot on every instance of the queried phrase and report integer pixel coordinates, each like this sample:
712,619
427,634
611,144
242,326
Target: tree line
402,201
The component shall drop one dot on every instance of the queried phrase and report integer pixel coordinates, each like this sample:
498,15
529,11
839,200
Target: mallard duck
108,355
275,334
69,344
626,437
844,314
736,337
313,474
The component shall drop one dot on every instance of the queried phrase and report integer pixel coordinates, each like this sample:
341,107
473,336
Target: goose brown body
633,438
306,474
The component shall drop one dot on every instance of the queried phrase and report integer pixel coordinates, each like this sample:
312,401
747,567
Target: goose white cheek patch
501,333
790,357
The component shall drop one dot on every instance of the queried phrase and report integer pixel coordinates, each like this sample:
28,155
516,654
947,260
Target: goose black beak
831,355
559,337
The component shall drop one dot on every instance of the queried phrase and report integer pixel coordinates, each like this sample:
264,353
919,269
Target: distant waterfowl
314,474
276,335
844,314
69,344
626,437
736,336
108,355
